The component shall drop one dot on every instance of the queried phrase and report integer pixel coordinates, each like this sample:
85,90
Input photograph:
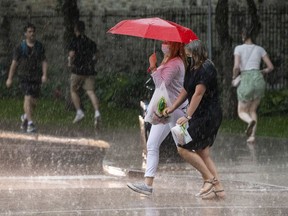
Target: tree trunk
4,45
70,13
229,101
255,21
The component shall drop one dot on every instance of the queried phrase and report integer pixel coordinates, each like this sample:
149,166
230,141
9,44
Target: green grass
53,113
268,126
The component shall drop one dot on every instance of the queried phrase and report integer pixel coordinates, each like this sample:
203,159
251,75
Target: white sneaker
140,187
31,128
97,122
78,117
24,123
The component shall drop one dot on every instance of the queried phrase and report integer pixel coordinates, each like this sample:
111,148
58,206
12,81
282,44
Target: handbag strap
250,55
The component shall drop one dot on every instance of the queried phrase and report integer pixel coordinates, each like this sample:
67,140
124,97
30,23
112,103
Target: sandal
213,195
203,192
250,128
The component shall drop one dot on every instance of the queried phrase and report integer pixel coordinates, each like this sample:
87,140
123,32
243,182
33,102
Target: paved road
254,177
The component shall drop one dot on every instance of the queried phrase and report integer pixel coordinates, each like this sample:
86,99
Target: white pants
156,136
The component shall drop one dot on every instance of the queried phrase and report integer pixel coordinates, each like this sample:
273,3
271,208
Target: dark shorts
203,131
30,88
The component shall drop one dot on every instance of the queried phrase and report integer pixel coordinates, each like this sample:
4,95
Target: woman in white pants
171,72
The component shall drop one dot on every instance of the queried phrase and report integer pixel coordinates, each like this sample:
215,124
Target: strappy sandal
250,128
203,192
213,195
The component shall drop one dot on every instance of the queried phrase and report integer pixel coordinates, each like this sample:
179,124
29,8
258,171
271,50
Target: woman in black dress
204,116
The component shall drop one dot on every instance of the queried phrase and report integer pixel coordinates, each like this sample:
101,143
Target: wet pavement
49,178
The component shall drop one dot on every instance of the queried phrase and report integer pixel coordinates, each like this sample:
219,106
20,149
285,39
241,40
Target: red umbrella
154,28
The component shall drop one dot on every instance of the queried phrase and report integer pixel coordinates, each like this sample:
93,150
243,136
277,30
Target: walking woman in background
247,59
204,117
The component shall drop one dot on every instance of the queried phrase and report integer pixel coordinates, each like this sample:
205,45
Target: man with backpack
81,61
30,61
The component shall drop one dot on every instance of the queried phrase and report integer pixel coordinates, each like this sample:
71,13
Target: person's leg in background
89,86
31,93
253,113
29,106
76,81
244,115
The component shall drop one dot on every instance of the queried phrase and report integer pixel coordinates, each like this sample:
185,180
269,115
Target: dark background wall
123,60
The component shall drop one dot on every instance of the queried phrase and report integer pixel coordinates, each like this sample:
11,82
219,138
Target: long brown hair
177,50
199,52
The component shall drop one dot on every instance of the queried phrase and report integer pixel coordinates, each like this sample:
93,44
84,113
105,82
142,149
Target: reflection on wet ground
50,178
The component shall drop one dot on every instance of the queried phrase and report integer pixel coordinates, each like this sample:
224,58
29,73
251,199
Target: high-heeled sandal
213,195
212,183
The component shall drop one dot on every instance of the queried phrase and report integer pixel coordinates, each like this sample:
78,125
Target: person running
82,60
171,72
30,61
247,59
203,116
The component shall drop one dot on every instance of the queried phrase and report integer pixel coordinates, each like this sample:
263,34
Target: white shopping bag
181,134
159,101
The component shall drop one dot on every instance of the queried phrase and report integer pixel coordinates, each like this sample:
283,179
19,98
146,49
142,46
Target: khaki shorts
87,82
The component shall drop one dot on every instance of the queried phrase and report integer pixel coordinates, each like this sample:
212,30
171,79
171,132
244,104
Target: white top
247,61
172,73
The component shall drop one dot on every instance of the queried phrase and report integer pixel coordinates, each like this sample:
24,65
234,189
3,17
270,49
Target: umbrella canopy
154,28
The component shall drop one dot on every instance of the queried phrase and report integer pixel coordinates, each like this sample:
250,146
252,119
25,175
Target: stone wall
97,6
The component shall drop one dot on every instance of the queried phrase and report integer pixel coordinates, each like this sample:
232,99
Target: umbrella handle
154,46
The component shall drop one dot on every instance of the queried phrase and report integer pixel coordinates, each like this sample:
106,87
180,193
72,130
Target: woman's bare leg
253,113
205,155
245,115
197,162
244,111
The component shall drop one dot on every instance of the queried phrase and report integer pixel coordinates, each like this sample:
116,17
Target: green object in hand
161,105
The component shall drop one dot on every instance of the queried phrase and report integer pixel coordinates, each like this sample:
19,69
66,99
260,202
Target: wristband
188,117
149,70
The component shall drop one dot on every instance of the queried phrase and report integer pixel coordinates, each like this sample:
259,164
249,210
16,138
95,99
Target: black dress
206,120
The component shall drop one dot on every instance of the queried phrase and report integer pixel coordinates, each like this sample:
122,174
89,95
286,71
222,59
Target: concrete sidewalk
254,177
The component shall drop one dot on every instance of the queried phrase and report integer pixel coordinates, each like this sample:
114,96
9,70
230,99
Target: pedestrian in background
247,59
30,61
81,61
204,117
171,72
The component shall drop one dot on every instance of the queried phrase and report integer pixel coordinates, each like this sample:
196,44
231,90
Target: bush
274,102
123,89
